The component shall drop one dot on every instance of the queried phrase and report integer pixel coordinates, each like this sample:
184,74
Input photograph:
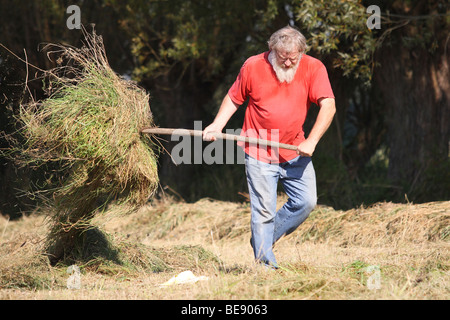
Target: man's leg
262,181
299,181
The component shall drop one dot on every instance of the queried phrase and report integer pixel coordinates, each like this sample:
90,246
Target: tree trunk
415,86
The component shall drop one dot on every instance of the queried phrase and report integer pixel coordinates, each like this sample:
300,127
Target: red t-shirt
277,111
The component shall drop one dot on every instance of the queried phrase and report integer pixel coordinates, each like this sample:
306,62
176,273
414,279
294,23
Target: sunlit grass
337,265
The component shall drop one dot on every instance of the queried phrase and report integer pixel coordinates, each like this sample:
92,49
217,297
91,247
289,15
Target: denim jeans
298,179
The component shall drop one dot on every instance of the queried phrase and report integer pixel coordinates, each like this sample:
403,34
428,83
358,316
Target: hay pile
89,130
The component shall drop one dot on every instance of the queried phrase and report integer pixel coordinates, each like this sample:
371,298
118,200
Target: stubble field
385,251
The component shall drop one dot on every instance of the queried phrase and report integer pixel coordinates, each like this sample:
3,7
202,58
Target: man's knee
311,203
303,205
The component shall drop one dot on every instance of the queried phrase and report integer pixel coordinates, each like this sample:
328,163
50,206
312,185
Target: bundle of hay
90,127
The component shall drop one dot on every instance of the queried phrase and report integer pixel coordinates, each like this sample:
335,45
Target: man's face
285,64
287,59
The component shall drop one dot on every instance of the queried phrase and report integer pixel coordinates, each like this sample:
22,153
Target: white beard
283,74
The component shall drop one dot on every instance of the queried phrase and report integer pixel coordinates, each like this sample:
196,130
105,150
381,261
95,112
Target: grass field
385,251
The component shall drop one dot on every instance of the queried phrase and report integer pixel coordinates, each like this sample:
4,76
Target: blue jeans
298,179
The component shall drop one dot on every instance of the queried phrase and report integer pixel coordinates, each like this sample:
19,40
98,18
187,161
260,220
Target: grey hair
289,39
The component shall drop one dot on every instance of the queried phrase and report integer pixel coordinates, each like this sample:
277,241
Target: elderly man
280,85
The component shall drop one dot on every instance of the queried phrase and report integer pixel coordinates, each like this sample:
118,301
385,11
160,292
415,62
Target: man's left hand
306,148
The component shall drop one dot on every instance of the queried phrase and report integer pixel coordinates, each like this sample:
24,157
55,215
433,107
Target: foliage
198,34
187,53
338,28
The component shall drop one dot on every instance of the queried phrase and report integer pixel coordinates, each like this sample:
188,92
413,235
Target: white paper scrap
183,277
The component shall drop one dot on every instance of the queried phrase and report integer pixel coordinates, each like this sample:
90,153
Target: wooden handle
223,136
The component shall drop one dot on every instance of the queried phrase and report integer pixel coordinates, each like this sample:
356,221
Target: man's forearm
324,119
226,110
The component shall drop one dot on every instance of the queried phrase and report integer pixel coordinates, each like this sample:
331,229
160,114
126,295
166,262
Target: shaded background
389,140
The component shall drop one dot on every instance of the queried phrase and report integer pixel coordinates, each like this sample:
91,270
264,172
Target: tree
187,54
391,84
414,81
405,65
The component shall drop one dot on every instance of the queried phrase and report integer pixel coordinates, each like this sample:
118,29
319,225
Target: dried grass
382,224
88,130
332,263
379,225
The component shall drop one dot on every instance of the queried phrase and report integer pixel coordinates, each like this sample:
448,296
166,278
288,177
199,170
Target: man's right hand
226,110
207,132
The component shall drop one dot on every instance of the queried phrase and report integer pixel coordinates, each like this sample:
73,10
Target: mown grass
86,132
333,255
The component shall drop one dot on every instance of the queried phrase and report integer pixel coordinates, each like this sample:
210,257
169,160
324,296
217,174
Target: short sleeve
239,91
320,86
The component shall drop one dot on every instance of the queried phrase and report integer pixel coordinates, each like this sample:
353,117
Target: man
280,85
